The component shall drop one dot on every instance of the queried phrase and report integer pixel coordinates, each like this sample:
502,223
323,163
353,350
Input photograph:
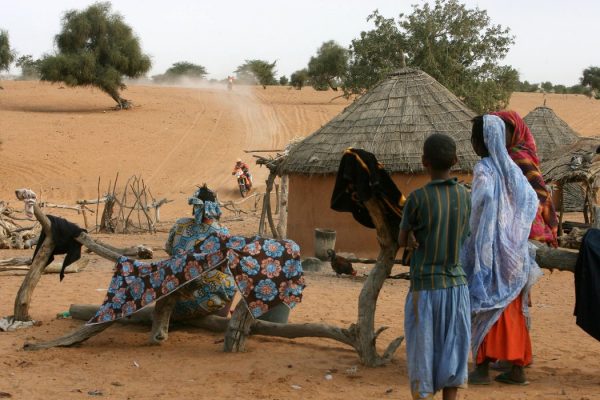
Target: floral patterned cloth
267,272
214,290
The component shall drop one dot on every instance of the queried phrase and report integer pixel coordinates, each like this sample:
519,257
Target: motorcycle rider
239,164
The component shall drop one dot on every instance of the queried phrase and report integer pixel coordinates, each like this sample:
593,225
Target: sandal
477,379
506,377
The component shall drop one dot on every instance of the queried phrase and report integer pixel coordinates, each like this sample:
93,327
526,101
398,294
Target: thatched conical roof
392,120
550,132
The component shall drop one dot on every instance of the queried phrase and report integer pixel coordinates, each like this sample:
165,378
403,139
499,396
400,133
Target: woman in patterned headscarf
500,267
523,151
213,291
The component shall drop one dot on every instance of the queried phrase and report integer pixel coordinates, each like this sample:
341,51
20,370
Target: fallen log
139,251
215,323
23,298
16,261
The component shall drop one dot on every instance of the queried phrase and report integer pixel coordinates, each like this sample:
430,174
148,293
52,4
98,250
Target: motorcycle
243,182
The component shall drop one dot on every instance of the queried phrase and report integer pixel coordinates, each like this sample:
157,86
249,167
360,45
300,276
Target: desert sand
58,141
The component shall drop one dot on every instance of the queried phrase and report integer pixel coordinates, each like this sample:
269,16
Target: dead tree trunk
367,301
23,298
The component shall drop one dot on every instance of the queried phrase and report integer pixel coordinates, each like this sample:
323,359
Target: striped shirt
438,214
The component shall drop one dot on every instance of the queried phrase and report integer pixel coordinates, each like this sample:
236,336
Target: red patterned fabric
523,152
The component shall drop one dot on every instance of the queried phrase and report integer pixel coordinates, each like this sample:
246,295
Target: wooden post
23,298
85,220
238,329
277,199
596,223
267,205
161,317
283,208
562,210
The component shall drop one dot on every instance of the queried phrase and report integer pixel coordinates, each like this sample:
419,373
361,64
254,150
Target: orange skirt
508,339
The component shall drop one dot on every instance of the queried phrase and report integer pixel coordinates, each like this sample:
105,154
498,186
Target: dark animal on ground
340,265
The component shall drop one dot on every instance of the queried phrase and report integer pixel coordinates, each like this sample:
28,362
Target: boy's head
439,152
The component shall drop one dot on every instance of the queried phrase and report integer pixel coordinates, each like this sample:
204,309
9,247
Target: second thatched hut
392,121
550,132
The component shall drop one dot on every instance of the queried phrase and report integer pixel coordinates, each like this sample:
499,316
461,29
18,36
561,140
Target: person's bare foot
450,393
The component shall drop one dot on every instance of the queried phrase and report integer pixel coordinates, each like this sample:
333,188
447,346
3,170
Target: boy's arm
406,237
403,238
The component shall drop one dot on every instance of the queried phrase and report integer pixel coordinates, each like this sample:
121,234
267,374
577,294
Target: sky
554,39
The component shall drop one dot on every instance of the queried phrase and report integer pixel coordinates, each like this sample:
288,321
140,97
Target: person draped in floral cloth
214,265
213,291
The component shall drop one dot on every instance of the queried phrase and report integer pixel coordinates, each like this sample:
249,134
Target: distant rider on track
239,164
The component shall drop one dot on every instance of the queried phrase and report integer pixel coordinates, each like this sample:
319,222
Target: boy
437,312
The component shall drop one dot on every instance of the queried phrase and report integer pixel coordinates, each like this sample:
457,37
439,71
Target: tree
257,72
283,80
30,68
329,66
579,89
547,86
182,69
374,55
527,87
591,78
458,46
96,48
560,89
7,55
299,78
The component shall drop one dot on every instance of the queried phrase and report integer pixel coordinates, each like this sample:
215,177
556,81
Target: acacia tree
30,68
327,68
591,79
458,46
96,48
7,55
299,78
182,69
257,72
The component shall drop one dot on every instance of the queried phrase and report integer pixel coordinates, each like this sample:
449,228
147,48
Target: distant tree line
587,86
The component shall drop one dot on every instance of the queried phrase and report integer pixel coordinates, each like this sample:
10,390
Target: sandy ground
59,141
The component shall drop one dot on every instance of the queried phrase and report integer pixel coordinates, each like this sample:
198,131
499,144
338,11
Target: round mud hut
392,120
550,132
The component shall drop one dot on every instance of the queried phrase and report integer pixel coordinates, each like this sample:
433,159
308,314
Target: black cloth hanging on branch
360,177
587,284
64,234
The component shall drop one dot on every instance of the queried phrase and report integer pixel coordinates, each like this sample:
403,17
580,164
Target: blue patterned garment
267,273
437,328
497,257
212,291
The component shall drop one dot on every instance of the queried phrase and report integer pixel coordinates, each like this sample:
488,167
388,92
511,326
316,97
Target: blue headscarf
204,209
497,256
